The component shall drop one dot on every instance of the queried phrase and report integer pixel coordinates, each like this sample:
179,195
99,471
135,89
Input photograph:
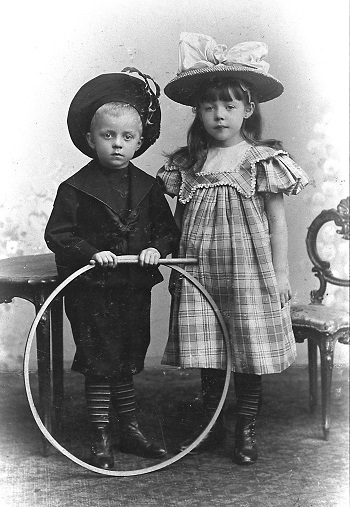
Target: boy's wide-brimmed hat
201,60
121,86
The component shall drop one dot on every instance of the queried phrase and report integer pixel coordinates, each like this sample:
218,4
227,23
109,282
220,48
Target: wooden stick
134,259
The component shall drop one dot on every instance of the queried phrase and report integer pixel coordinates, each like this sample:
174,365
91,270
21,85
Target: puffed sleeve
169,178
279,173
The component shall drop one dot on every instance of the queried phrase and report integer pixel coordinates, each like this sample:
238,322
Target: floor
296,467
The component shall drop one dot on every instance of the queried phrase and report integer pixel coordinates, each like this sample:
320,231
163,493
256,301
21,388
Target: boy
111,208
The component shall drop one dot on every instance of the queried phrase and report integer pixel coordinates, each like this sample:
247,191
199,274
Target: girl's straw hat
117,87
201,59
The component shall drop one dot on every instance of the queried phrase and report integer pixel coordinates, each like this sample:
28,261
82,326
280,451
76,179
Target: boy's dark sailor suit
86,219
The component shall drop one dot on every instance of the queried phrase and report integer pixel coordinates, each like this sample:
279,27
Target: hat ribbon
198,51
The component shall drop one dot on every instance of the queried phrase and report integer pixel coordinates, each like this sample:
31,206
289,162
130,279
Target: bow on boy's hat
201,59
116,87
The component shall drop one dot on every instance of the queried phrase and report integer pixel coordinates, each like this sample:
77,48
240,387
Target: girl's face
115,138
223,119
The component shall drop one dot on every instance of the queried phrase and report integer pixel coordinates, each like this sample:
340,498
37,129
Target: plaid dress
225,226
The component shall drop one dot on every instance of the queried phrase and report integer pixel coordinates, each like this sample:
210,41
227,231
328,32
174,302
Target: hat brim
184,87
116,87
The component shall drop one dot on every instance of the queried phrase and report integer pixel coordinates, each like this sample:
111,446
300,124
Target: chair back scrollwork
322,268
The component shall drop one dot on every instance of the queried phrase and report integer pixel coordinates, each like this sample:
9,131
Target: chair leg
312,353
327,346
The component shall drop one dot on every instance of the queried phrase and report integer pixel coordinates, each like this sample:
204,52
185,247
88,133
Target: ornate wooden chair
323,326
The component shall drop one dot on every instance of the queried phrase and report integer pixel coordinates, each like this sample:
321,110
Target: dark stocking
212,384
248,394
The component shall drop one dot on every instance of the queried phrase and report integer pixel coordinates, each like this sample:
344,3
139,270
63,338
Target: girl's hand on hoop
105,259
284,288
149,256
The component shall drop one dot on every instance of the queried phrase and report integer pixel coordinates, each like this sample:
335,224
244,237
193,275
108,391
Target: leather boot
245,451
101,448
132,441
214,438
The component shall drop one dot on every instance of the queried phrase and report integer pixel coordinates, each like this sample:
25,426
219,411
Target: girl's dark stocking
212,385
248,394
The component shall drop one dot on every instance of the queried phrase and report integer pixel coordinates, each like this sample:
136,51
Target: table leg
57,360
44,369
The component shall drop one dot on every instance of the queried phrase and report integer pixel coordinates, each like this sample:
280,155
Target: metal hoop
159,466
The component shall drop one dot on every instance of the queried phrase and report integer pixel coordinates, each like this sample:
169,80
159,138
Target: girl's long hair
197,138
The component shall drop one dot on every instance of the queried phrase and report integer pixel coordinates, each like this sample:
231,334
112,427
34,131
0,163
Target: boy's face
115,138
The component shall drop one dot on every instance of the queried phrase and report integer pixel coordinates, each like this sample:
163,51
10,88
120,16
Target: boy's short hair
116,109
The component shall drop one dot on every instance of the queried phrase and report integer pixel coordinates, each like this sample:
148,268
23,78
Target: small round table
33,278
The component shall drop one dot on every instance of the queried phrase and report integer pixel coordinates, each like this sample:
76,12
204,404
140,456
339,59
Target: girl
230,187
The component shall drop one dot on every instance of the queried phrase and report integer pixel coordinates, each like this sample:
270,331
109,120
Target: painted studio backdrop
51,49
